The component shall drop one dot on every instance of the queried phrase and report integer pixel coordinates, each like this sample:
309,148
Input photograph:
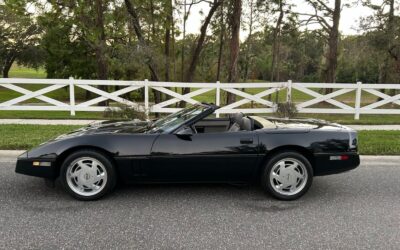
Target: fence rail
317,103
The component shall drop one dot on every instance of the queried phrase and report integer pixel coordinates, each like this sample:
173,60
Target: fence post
289,91
72,96
217,97
358,101
146,98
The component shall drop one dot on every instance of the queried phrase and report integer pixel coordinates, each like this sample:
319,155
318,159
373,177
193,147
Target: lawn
17,71
28,136
379,142
20,114
349,119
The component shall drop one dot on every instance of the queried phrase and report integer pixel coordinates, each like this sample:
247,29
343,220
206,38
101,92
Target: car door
220,156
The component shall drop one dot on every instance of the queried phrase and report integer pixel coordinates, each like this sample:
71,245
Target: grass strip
28,136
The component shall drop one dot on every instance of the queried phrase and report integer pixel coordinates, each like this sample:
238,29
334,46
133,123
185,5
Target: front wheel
287,176
88,175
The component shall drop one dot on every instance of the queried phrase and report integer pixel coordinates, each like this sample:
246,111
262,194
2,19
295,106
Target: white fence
260,104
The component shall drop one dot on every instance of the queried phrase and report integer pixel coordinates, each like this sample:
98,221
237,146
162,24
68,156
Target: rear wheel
287,176
88,175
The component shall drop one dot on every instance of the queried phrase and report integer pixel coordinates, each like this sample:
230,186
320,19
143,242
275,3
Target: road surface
355,210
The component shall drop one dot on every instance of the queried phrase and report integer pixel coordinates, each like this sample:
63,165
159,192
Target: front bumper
325,165
45,169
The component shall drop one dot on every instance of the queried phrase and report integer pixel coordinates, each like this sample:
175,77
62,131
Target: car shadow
250,198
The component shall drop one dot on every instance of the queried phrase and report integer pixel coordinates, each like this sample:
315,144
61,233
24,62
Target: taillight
339,157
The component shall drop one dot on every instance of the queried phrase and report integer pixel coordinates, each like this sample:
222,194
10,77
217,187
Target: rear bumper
324,165
26,166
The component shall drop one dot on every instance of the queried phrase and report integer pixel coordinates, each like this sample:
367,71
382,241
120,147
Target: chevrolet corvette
192,146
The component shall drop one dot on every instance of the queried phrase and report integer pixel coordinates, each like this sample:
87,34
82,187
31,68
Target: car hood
110,127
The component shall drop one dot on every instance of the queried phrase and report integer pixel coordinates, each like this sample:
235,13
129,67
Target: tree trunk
139,34
234,46
199,47
333,40
7,65
168,24
276,44
389,36
102,67
248,45
142,42
221,43
157,95
183,43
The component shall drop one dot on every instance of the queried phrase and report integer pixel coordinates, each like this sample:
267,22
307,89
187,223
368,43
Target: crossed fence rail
261,101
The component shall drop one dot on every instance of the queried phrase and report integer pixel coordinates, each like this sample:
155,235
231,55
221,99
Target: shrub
286,109
123,112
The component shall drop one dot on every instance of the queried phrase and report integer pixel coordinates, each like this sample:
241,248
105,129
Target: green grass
50,115
23,72
349,119
28,136
379,142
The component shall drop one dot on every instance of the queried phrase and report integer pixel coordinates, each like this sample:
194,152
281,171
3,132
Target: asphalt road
355,210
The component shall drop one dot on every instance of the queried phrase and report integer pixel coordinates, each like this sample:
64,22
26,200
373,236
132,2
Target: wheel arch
61,157
287,148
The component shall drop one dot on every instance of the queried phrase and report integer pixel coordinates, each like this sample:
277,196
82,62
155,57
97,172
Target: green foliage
65,37
19,36
286,110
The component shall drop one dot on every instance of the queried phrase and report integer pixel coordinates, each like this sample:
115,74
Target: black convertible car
192,146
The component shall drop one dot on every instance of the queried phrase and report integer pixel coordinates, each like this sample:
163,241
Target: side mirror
186,130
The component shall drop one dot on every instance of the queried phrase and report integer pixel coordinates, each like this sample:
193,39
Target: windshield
173,121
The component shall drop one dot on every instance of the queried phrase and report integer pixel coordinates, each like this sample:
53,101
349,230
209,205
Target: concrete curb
10,153
374,127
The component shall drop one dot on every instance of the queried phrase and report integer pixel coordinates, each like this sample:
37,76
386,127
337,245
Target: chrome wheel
288,176
86,176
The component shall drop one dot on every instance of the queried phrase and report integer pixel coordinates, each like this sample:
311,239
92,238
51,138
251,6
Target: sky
348,24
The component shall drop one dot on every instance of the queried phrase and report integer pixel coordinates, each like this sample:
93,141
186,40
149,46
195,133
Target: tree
328,18
168,27
384,27
251,20
199,46
221,41
276,40
19,35
234,22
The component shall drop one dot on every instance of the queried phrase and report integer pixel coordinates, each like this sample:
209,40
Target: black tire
267,171
108,168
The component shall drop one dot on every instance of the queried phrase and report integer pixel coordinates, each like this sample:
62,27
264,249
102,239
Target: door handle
246,140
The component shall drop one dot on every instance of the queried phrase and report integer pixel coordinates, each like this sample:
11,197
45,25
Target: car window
173,121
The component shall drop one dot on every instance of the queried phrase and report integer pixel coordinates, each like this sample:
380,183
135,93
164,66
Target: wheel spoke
86,176
298,175
76,173
278,177
288,176
84,166
98,177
